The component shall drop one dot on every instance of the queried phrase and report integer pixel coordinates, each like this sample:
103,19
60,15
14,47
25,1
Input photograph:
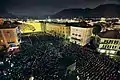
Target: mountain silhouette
106,10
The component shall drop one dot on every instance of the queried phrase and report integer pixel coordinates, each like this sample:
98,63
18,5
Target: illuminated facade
80,35
58,29
30,27
8,36
109,42
109,46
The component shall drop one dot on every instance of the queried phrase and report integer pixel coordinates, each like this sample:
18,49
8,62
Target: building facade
30,27
109,46
116,26
9,36
109,42
80,35
58,29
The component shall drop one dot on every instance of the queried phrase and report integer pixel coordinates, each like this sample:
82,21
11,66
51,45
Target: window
79,35
108,46
10,42
111,42
75,34
112,47
103,46
118,53
105,41
115,47
1,41
75,39
19,40
116,42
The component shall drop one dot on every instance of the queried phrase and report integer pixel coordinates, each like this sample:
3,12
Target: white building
80,35
109,42
116,26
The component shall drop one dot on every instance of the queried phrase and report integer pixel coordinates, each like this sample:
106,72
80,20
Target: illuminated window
102,51
2,41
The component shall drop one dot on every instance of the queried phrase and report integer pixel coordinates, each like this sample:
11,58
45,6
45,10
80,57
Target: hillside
107,10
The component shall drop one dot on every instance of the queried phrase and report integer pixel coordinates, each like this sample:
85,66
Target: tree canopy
97,28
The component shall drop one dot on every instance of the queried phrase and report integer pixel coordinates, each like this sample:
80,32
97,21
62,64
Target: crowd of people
96,67
46,57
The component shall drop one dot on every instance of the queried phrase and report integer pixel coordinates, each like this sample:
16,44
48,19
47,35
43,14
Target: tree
97,28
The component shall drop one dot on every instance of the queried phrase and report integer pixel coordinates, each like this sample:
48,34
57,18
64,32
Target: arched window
108,46
112,47
115,47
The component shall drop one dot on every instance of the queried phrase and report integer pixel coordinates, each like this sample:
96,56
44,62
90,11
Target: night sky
46,7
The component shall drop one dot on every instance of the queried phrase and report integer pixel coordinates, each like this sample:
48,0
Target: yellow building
58,29
30,27
109,42
8,36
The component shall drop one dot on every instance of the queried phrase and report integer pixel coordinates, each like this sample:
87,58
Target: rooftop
112,34
75,24
80,24
116,24
7,26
